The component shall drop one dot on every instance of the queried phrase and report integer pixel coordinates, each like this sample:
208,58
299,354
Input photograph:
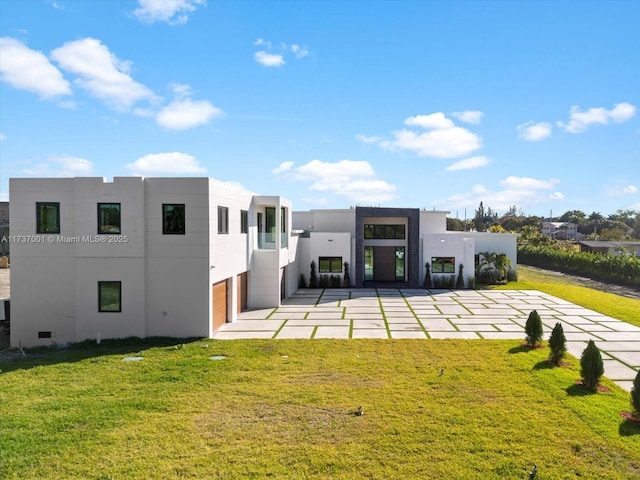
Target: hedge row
621,270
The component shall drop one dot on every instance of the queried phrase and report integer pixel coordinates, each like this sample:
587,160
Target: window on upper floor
384,232
109,296
109,218
47,217
173,218
443,264
223,220
330,264
244,221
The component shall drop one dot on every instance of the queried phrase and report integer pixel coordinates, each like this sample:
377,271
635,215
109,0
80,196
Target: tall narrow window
223,220
47,217
109,296
173,218
109,218
368,263
270,213
244,221
400,264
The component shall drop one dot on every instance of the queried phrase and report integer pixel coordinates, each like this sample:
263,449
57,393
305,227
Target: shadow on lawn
629,428
75,352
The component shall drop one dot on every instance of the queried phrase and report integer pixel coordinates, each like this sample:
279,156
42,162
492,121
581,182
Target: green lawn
622,308
283,409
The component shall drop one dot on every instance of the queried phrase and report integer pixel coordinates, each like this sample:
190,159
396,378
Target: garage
219,307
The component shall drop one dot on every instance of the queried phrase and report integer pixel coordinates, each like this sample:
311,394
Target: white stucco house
182,256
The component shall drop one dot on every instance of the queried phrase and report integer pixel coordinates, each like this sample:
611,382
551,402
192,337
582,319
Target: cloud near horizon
61,166
168,163
521,191
353,179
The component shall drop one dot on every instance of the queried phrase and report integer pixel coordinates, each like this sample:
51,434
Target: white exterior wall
177,266
432,222
449,244
166,279
339,220
506,243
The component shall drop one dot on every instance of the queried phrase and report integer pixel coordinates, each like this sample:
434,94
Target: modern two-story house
182,256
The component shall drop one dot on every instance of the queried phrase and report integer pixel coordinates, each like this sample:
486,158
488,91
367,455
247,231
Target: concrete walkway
467,314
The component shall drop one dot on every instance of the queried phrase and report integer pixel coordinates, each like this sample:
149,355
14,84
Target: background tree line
619,226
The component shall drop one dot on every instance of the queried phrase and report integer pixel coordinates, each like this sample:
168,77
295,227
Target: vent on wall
44,334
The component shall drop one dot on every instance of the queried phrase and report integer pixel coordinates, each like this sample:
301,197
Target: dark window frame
385,231
244,221
223,220
176,222
440,264
101,305
39,212
332,261
101,229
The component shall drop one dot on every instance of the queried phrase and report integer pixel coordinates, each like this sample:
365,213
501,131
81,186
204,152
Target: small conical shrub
427,276
313,278
591,366
557,344
346,280
302,281
533,329
460,281
635,395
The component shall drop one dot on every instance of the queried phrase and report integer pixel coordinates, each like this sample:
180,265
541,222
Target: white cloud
2,137
169,163
185,114
521,191
628,190
579,121
353,179
274,56
469,163
443,139
101,73
283,167
30,70
469,116
173,12
534,132
62,166
299,51
368,139
269,59
433,121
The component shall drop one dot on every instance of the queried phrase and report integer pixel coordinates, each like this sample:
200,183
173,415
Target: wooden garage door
219,304
242,292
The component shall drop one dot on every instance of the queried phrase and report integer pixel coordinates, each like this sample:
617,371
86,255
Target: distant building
182,256
611,248
562,230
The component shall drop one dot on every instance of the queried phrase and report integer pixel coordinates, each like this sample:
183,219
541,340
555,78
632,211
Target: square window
47,217
109,296
223,220
173,218
109,218
330,264
443,265
244,221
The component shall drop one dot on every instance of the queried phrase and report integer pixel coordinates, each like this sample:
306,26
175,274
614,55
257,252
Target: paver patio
409,313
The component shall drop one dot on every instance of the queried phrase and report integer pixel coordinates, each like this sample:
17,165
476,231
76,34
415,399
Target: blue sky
332,104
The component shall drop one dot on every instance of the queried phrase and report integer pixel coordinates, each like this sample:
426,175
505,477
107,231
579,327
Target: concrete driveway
395,313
